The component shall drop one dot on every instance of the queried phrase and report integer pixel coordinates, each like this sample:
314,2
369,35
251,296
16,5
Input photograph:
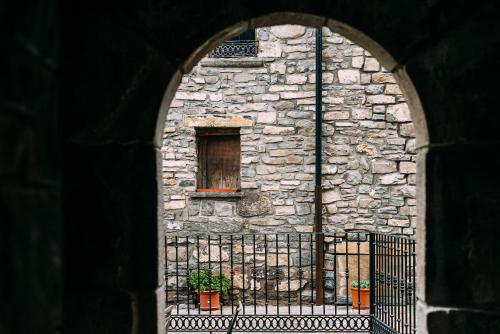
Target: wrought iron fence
274,276
233,49
392,277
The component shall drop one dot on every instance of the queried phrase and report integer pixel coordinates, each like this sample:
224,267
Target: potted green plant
209,287
360,293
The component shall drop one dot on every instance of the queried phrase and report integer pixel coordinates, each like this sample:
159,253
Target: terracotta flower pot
364,298
209,303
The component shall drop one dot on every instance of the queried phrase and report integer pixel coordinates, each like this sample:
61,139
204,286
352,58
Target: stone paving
272,309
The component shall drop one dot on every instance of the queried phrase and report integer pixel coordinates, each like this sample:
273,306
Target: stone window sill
235,62
215,195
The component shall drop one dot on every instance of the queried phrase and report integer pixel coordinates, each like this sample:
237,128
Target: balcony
281,287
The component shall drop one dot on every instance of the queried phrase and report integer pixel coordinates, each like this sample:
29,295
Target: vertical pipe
311,301
335,272
288,267
243,268
220,273
177,273
254,275
359,276
371,264
265,272
232,271
277,278
347,274
209,276
187,272
318,228
198,270
300,274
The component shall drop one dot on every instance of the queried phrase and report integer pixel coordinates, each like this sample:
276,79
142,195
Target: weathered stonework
254,204
368,140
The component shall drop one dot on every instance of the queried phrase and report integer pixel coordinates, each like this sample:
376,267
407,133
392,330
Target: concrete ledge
233,62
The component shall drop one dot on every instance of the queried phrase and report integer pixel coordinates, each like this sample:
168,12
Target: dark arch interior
79,198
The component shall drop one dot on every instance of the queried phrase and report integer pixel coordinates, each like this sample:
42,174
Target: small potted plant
209,287
363,298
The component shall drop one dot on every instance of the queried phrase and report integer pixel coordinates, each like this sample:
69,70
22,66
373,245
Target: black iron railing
392,277
233,49
274,276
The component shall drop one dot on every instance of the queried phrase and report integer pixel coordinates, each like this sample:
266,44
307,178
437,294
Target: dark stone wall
30,198
82,86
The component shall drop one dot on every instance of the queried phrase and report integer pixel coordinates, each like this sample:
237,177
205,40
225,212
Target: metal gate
274,276
392,281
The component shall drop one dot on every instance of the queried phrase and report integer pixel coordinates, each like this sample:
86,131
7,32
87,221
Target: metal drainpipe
318,224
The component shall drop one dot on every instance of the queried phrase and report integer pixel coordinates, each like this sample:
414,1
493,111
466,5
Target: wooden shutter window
218,160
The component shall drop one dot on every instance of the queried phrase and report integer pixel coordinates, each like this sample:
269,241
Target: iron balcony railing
274,277
234,49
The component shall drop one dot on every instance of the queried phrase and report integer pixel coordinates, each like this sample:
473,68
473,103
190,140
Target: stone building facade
368,140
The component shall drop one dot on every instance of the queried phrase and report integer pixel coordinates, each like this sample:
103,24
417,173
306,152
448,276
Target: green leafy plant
362,284
205,281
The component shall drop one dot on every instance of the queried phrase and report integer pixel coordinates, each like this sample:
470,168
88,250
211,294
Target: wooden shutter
219,160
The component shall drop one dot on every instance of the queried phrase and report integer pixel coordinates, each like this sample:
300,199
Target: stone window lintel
222,121
215,195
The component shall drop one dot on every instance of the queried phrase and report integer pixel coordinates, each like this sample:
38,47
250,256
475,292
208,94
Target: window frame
202,138
238,46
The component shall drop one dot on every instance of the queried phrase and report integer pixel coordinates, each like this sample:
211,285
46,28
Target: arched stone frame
383,56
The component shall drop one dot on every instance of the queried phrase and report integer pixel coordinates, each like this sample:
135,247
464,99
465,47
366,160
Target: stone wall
368,140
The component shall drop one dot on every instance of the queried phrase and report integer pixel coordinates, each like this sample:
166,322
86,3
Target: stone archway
364,41
113,95
84,86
